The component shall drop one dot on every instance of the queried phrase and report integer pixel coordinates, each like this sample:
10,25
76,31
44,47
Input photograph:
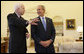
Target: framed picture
70,24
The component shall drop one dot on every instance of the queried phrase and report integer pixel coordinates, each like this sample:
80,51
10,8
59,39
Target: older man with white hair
18,32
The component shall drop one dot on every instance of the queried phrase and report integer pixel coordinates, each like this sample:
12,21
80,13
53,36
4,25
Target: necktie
44,23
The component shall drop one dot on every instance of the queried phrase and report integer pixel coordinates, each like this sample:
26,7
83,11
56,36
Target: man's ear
18,10
44,11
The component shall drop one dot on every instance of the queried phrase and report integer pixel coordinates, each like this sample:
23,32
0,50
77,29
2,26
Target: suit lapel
41,25
47,23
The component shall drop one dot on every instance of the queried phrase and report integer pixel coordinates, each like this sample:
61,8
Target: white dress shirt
44,19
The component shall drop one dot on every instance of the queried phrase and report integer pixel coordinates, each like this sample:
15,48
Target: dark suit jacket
39,34
17,38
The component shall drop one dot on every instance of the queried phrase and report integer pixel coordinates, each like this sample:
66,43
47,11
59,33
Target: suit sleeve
27,31
16,21
34,33
53,32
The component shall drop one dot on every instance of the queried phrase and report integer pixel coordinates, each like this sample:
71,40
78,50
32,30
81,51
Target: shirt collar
17,15
44,18
41,17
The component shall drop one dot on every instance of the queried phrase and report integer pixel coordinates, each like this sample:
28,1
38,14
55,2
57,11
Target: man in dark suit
43,33
18,32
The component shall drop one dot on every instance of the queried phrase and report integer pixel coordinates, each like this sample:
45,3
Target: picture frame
70,24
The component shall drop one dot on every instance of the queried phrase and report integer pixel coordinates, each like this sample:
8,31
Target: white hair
17,5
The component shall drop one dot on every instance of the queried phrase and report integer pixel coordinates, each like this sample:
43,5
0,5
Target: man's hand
48,42
27,35
45,43
32,22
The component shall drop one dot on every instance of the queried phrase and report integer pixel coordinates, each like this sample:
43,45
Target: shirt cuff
27,22
51,40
